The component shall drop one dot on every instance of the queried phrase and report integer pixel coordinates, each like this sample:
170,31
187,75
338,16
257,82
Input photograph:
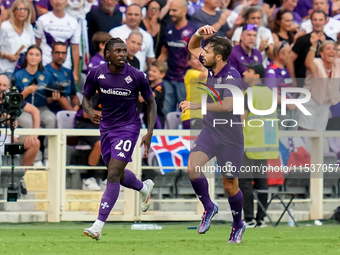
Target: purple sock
130,181
236,205
108,200
200,187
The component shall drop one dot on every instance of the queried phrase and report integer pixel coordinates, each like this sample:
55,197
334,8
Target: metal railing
57,139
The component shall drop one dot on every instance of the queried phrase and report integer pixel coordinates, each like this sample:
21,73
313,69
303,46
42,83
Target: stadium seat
65,119
173,120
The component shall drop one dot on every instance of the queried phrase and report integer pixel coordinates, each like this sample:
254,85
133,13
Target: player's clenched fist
206,30
95,116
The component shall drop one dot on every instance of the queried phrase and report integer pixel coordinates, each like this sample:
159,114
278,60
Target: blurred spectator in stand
175,51
62,81
282,27
133,19
58,26
98,41
134,44
31,82
296,65
245,51
6,8
194,6
322,80
31,143
152,24
332,26
193,119
223,21
156,74
264,39
277,76
290,6
16,35
104,18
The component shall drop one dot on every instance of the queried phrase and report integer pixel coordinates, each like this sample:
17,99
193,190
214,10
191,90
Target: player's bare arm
152,115
195,41
94,115
227,106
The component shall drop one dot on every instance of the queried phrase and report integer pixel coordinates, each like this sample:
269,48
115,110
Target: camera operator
31,143
31,82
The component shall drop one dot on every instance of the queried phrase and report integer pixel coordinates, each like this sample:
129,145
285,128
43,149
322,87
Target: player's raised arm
195,41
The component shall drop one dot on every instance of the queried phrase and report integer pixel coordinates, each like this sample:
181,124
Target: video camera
12,102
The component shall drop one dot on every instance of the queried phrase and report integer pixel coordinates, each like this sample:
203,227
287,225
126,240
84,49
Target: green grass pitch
175,239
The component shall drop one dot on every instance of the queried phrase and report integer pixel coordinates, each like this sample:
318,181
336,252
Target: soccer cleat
250,224
94,232
145,198
206,220
236,234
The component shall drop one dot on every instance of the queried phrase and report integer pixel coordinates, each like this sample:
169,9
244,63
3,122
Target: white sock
144,190
99,223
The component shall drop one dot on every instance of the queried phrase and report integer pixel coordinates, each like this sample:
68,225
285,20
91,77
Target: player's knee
114,174
230,187
193,170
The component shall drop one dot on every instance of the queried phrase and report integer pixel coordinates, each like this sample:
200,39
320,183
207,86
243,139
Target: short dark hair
318,11
98,38
110,43
34,46
59,43
250,10
221,46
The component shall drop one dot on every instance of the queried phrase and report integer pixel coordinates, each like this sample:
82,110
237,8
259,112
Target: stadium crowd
49,46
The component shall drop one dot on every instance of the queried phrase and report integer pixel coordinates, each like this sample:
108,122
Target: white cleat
145,199
94,232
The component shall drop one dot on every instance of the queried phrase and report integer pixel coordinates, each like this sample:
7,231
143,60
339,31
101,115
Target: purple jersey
276,77
228,134
7,4
176,41
96,60
195,6
45,4
119,96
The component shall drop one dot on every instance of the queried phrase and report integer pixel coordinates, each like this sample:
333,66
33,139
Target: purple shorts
229,159
118,145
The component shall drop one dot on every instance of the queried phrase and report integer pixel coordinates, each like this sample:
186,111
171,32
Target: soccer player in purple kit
223,141
119,85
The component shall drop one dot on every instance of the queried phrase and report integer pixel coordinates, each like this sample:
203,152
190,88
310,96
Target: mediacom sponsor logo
116,91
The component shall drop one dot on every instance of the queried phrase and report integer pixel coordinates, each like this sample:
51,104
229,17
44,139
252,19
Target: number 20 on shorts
126,145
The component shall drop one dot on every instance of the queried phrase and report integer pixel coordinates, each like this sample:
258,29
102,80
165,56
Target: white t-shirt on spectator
262,33
49,28
147,51
332,27
11,41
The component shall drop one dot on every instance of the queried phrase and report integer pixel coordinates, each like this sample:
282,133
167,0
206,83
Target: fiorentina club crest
128,79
